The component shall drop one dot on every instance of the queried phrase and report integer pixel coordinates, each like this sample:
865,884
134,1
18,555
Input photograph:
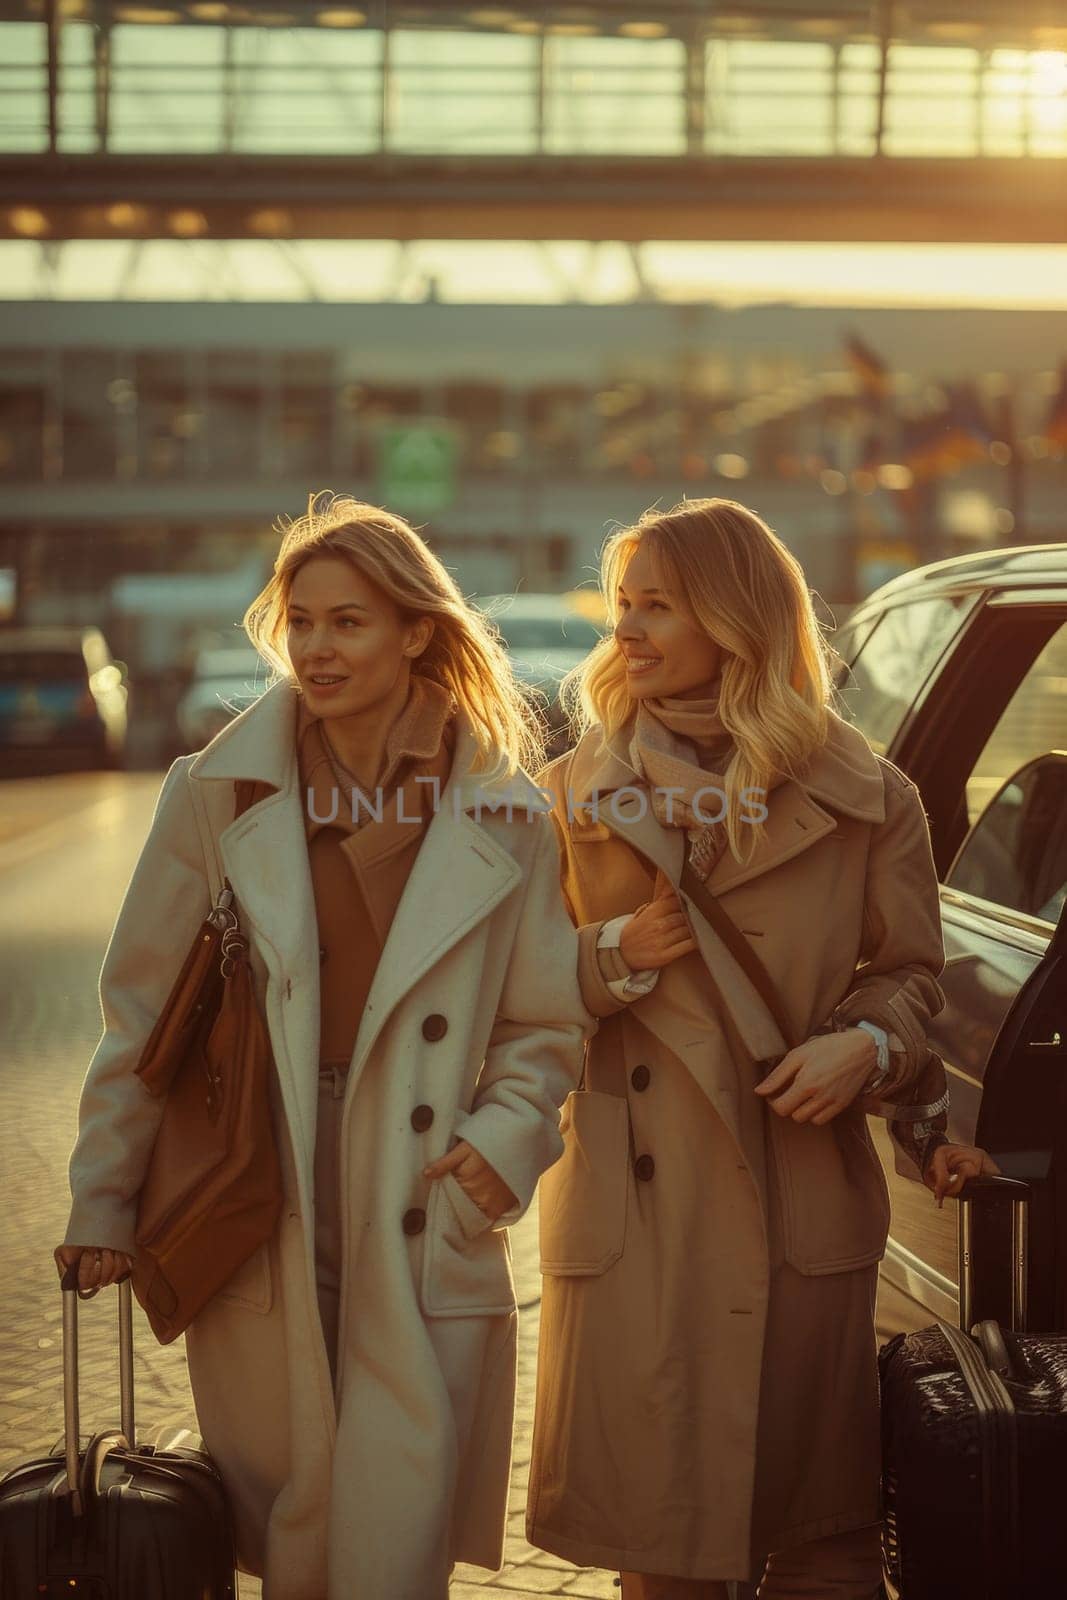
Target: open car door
1023,1124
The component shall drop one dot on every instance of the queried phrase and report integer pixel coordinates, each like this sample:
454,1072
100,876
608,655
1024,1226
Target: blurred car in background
546,635
63,701
225,680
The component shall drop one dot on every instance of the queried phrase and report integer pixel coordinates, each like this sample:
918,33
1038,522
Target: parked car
225,680
957,672
62,700
545,636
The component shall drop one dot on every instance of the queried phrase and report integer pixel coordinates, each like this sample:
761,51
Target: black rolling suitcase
974,1444
114,1522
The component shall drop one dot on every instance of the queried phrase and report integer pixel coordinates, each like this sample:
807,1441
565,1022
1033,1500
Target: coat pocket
251,1286
466,1263
582,1198
834,1195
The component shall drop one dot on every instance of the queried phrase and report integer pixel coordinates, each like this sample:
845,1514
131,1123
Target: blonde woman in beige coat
707,1391
354,1381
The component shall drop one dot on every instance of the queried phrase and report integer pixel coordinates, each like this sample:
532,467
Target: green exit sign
417,468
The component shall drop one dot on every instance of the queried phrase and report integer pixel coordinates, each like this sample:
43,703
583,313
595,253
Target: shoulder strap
747,959
246,791
208,844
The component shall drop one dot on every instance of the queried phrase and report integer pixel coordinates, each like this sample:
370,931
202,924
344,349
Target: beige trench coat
707,1389
366,1495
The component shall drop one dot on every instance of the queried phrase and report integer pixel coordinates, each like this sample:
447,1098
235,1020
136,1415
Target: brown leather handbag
213,1191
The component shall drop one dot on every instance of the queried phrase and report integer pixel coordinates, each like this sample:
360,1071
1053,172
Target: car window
894,662
1016,853
848,641
1033,722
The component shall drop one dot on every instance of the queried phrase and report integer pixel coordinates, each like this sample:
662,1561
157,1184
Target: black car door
991,706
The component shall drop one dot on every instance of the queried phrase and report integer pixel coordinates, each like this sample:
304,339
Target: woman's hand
476,1177
657,933
952,1164
96,1268
820,1078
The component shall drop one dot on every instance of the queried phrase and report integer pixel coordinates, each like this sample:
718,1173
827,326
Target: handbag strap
245,794
711,910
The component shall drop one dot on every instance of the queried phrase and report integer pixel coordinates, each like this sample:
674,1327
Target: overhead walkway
673,119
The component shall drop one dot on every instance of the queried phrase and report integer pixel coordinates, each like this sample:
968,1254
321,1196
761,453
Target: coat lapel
665,848
264,855
844,773
460,875
794,823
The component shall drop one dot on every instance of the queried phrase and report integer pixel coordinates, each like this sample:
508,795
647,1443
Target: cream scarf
681,745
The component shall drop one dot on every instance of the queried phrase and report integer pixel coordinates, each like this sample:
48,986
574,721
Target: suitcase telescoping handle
1019,1194
71,1420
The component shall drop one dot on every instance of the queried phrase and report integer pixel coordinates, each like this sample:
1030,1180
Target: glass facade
785,80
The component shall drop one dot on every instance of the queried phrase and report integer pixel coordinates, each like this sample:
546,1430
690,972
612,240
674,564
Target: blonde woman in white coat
404,1163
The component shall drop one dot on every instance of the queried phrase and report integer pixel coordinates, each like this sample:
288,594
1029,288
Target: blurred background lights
270,221
28,222
1049,72
146,14
124,216
187,224
892,475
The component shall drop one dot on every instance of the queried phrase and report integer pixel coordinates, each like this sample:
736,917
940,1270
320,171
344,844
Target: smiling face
349,645
666,654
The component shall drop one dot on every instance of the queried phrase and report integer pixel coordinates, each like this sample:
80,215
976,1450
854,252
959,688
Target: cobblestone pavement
60,888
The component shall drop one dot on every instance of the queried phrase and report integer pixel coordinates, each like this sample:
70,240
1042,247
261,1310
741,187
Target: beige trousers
846,1566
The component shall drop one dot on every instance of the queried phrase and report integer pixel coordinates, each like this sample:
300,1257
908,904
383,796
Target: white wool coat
372,1491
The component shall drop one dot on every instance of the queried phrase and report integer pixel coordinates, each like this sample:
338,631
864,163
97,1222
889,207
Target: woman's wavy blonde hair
734,578
464,654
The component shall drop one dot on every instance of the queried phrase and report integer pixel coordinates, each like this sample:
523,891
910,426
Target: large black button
434,1027
640,1077
644,1168
414,1220
422,1118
